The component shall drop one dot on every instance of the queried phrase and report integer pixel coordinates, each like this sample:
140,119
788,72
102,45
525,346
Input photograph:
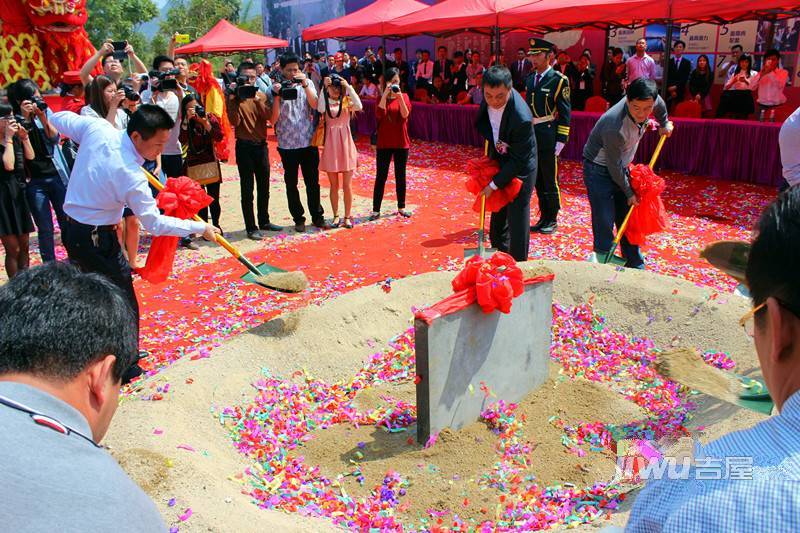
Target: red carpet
205,303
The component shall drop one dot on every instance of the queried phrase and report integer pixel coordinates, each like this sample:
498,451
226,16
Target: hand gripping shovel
481,250
610,257
267,276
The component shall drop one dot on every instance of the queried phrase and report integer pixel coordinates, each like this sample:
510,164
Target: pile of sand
333,340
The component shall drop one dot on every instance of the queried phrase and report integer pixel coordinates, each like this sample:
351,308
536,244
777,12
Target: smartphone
182,38
119,49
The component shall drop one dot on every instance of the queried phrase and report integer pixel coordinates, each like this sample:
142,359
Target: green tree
196,17
119,20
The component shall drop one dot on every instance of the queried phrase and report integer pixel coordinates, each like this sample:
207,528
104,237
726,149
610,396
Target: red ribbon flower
493,283
181,198
482,171
650,216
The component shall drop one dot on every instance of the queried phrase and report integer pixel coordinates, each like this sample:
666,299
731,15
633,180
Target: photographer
339,155
199,132
393,142
15,216
48,170
248,112
106,102
112,65
295,100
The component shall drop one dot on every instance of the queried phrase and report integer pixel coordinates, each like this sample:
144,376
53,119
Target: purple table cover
734,150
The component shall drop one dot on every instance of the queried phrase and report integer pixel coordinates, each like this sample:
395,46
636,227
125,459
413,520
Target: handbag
318,139
205,173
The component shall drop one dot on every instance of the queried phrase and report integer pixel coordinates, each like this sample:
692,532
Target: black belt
248,142
108,227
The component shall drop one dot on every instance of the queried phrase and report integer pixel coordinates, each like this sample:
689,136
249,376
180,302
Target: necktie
537,80
520,66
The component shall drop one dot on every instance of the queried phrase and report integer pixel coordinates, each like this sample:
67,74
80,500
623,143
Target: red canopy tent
454,16
367,21
225,37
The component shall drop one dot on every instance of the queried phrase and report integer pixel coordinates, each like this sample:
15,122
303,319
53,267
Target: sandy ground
333,340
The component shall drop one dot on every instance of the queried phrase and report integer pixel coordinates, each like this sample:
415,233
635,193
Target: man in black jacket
443,67
678,73
505,121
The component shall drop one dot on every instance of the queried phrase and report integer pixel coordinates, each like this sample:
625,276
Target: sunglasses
748,321
134,370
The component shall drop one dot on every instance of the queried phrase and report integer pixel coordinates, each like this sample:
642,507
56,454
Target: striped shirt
766,499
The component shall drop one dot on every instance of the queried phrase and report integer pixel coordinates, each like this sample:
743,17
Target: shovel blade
264,269
487,252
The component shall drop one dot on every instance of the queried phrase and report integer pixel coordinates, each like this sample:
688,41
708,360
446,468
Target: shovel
481,250
610,257
267,276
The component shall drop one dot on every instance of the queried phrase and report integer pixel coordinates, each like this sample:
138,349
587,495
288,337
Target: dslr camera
289,89
200,111
130,94
395,88
336,80
40,103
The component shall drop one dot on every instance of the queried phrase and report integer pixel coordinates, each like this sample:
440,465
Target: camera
200,111
167,80
336,80
130,94
395,88
40,103
288,90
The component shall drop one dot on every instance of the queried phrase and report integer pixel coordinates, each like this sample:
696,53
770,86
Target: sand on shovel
284,281
685,366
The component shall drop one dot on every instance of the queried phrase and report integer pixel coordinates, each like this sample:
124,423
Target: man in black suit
520,69
505,121
678,74
443,68
297,43
458,84
400,65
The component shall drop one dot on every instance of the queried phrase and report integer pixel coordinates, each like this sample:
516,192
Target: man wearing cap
747,480
67,345
547,94
72,92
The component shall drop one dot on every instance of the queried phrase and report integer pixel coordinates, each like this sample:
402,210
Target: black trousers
509,229
547,190
103,257
172,165
383,159
253,163
305,160
213,191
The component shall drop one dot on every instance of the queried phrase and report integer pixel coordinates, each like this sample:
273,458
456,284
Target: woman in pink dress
339,155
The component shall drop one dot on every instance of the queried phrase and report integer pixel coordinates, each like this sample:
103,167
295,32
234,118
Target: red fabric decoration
480,172
649,216
181,198
493,283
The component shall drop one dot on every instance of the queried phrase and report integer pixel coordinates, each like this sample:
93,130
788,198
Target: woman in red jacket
392,114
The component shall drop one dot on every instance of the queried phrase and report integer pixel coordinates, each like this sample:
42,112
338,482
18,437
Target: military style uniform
549,101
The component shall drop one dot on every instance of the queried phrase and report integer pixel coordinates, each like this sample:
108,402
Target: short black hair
228,63
426,52
161,59
442,48
55,321
676,43
288,58
149,119
458,53
618,51
772,53
245,65
391,72
259,63
21,90
642,89
5,110
398,50
521,50
496,76
739,46
103,61
774,253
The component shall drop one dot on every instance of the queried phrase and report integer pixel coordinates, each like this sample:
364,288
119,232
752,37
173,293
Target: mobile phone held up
119,49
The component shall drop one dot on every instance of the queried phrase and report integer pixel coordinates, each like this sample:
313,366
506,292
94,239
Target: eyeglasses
748,321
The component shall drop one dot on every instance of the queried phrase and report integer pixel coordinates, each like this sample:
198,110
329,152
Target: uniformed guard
547,94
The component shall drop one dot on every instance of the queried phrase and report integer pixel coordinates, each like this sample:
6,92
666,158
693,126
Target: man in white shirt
727,68
106,177
641,65
424,70
770,83
506,122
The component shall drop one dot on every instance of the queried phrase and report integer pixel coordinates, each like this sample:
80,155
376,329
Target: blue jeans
42,193
609,206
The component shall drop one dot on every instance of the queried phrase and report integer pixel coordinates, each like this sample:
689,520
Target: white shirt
425,70
108,175
771,86
120,121
789,142
495,118
640,67
169,102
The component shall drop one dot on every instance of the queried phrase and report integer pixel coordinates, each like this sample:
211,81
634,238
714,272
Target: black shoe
538,226
321,224
548,228
270,227
300,228
188,243
255,235
375,215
